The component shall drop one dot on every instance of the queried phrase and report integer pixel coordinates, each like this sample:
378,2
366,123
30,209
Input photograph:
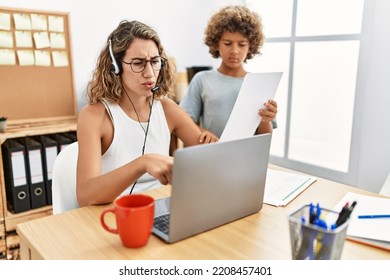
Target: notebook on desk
213,184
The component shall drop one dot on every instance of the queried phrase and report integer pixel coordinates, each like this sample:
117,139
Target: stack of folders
28,166
370,221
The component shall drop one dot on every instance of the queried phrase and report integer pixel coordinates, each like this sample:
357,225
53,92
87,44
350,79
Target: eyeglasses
138,64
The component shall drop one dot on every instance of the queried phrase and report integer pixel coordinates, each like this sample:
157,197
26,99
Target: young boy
235,35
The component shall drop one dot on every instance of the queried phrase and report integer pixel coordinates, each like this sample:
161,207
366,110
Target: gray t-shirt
210,99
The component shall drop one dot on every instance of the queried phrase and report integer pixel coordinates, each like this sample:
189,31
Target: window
316,44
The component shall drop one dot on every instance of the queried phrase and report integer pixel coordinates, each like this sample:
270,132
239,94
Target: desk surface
77,234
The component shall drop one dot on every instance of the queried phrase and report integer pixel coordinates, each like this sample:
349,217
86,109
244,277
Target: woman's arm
181,125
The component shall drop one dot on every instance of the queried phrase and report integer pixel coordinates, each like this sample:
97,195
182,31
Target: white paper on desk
282,187
376,229
256,89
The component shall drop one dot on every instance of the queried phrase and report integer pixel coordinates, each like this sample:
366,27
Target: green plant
2,118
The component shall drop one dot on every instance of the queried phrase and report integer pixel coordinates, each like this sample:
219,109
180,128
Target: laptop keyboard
162,223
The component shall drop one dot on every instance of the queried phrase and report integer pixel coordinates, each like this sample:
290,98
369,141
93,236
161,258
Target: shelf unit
9,241
43,102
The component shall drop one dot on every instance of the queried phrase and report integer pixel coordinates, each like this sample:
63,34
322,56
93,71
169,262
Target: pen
374,216
318,211
341,214
312,214
345,214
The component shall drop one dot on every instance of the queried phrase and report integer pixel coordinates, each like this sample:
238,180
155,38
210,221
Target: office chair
64,179
385,190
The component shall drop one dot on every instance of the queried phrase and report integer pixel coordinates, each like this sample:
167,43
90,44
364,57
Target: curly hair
235,19
105,84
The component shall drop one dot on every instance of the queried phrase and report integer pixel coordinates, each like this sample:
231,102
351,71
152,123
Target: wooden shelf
9,241
43,102
11,220
38,127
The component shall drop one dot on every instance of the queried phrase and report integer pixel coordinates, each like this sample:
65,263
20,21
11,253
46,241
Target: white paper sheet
7,57
57,40
256,89
22,21
5,21
6,39
38,22
282,187
42,58
41,40
375,229
23,39
60,59
56,23
26,57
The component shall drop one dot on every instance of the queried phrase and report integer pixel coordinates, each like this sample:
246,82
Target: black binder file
15,176
49,154
62,141
71,135
33,151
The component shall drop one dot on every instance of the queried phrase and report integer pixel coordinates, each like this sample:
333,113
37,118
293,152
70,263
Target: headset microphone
115,67
157,87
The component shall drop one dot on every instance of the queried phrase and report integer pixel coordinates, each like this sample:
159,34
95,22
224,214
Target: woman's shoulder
94,108
167,103
93,111
170,107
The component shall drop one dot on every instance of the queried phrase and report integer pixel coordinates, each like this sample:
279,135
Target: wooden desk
78,234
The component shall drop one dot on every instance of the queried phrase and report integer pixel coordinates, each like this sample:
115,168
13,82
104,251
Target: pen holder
313,242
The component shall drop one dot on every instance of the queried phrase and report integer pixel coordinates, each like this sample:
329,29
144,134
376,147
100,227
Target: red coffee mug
134,216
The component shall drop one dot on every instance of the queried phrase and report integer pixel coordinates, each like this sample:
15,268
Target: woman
124,130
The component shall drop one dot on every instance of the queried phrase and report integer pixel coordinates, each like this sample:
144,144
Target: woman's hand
160,167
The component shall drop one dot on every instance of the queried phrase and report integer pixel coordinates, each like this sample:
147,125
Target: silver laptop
213,184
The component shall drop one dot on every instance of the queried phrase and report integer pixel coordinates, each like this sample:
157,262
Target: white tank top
129,139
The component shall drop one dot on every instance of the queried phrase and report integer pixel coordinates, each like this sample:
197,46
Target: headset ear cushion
113,68
116,68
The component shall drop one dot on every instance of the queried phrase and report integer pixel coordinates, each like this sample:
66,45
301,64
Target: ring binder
15,176
49,154
62,141
33,162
